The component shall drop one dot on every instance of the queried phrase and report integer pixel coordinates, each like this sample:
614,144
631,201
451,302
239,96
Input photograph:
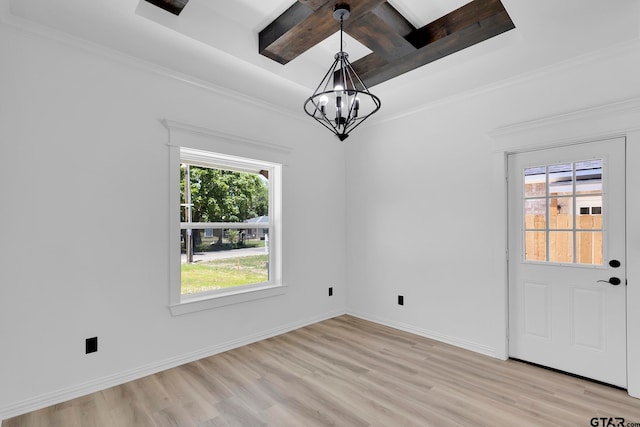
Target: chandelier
341,102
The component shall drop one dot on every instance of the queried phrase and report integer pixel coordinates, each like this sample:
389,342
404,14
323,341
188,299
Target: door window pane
535,182
589,246
535,212
561,213
561,246
592,218
535,246
561,179
589,177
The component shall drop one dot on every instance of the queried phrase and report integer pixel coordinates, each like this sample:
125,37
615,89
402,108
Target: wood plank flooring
345,372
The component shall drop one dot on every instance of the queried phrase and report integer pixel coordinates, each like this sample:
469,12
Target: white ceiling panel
421,13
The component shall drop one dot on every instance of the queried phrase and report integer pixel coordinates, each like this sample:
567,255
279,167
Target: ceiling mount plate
341,12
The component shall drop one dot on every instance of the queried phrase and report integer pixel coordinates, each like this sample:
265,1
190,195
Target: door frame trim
607,121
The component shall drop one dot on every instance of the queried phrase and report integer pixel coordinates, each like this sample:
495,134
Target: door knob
614,263
612,281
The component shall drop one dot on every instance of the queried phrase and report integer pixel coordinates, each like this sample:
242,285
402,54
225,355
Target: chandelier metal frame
353,102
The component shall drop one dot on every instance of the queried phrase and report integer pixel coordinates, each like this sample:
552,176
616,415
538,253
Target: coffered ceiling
397,46
217,42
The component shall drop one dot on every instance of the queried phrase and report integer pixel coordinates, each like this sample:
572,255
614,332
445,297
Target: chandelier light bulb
324,100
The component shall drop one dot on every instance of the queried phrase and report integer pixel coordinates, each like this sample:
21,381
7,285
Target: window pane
535,213
561,213
589,177
535,182
589,247
593,219
535,246
561,246
561,179
222,258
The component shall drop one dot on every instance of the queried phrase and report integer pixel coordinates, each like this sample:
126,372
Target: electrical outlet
330,290
91,345
400,300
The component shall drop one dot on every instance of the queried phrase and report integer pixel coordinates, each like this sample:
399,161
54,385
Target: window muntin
562,210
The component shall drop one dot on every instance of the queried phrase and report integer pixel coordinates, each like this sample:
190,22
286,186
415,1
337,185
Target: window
553,232
593,210
226,220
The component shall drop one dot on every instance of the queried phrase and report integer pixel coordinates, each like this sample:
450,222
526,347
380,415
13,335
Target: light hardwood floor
345,372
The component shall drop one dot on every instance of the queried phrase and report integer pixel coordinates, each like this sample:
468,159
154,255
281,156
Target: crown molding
620,49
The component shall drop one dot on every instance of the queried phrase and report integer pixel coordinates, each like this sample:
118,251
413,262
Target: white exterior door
566,250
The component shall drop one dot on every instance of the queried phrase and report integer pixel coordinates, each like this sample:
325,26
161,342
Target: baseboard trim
62,395
457,342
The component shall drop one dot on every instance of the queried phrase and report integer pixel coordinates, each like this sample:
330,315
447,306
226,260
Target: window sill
198,303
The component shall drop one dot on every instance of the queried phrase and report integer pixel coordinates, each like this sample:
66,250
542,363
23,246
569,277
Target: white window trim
179,304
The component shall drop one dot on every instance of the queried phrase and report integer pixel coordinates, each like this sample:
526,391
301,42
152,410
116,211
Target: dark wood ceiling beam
394,19
300,28
397,45
372,70
173,6
279,28
375,33
461,18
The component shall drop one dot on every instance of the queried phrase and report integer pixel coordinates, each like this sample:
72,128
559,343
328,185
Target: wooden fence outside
588,238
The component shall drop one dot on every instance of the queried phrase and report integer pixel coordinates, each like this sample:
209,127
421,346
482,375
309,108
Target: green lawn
224,273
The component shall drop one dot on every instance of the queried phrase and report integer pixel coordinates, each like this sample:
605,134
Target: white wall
84,221
425,202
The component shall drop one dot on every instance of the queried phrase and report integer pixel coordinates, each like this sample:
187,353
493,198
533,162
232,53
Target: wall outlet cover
91,345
